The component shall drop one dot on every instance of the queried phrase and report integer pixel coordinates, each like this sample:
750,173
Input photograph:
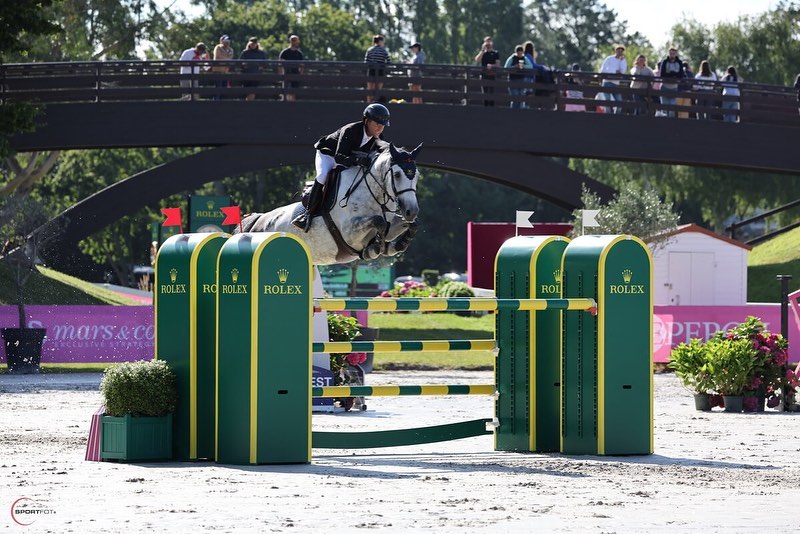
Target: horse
374,211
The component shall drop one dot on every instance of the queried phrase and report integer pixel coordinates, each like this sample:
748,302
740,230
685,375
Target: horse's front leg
369,232
396,246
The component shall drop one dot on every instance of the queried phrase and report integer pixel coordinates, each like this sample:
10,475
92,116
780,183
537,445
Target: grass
49,287
779,255
418,326
62,368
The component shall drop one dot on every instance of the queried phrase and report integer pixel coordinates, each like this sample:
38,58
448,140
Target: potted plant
139,400
690,363
731,363
345,365
20,216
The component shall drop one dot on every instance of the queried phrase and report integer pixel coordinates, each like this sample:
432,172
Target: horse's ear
393,151
416,151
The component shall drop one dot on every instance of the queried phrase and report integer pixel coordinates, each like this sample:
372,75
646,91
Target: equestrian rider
341,148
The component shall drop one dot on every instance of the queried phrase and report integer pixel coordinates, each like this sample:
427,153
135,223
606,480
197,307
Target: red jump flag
173,217
232,216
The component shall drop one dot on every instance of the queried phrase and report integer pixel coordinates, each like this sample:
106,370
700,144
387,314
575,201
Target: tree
635,211
578,31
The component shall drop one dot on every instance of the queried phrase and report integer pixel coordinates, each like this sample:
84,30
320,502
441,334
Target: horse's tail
247,222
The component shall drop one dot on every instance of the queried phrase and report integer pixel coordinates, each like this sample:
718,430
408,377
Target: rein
360,176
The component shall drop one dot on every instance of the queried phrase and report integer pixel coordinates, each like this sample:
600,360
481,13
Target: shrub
690,363
455,289
142,389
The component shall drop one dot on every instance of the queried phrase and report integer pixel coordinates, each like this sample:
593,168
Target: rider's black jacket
343,142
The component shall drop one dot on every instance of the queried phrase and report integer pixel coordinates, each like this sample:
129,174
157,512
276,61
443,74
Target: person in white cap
198,53
222,52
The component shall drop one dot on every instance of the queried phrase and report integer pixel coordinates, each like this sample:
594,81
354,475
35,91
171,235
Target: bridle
409,169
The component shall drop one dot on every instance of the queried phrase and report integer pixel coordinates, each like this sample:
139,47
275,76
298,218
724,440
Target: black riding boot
312,206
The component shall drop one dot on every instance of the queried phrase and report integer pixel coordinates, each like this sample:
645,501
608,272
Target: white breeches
324,164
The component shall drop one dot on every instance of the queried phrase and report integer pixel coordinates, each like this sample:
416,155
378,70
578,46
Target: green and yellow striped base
394,391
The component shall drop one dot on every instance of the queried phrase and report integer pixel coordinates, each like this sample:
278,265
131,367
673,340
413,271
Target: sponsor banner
673,325
80,334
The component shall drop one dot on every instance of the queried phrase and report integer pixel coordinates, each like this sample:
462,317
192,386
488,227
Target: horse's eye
397,174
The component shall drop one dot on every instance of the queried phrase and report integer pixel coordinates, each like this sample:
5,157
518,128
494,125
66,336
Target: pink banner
77,334
673,325
80,334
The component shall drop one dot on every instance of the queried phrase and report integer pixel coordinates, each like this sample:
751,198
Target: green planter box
136,438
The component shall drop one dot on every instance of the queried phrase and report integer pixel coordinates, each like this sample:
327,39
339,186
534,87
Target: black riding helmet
377,113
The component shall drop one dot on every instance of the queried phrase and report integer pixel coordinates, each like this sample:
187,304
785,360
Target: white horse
374,212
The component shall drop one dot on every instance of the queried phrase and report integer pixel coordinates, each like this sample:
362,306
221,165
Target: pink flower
754,383
780,357
386,294
354,358
403,290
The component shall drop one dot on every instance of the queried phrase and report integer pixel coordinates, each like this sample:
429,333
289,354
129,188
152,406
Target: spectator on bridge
417,59
574,93
197,53
671,72
685,87
291,53
706,77
376,57
615,64
222,52
642,78
252,56
489,60
517,64
730,87
530,53
341,148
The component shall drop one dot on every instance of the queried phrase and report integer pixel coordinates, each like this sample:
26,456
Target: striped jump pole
395,391
454,304
405,346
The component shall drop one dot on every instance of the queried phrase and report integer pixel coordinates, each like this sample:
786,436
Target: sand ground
712,472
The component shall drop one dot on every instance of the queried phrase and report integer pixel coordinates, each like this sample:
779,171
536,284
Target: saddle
328,191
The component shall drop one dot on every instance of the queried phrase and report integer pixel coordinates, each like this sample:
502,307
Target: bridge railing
460,85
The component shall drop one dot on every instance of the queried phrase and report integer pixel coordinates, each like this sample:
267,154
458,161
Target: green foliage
142,389
455,289
763,48
730,364
21,21
690,363
583,32
341,328
635,210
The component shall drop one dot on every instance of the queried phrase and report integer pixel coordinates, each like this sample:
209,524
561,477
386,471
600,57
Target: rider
339,148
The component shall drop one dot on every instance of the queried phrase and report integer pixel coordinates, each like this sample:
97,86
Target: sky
654,19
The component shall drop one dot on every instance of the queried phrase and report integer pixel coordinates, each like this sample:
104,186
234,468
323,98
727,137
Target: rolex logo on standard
627,288
552,289
283,288
283,275
235,288
172,288
627,274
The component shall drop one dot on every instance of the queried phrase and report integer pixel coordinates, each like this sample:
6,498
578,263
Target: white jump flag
590,218
525,219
